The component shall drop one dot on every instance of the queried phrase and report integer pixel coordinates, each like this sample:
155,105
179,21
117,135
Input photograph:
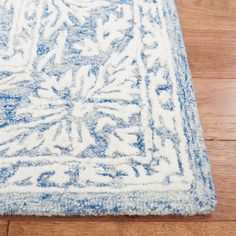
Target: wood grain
223,164
65,228
3,227
209,30
207,14
180,229
216,102
211,53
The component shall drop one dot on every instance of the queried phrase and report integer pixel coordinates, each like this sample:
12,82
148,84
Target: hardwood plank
209,32
211,53
65,228
223,164
216,103
223,161
180,229
3,227
207,14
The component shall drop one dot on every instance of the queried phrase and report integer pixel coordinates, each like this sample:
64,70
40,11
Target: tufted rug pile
97,111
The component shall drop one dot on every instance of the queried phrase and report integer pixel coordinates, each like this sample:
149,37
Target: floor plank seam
219,139
121,221
212,78
8,225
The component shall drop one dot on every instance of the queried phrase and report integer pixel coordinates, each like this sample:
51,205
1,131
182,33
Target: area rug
98,115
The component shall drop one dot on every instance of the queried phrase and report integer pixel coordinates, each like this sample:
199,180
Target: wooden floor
209,28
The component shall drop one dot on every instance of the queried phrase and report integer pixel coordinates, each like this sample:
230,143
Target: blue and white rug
97,112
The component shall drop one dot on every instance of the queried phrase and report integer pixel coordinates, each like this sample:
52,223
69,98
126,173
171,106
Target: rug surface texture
97,111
